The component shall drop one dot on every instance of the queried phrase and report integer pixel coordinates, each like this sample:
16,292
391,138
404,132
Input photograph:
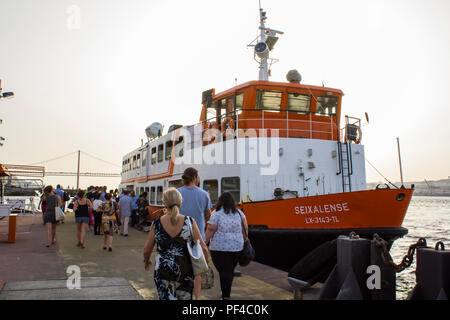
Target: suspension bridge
37,170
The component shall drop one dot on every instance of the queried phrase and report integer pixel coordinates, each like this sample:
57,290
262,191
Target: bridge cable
113,164
57,158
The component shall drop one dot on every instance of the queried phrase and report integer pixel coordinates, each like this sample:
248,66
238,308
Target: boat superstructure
281,149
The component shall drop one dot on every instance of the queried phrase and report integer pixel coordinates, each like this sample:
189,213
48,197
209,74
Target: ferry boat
296,170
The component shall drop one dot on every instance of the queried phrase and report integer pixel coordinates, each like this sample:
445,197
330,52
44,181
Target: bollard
432,274
348,279
359,263
12,228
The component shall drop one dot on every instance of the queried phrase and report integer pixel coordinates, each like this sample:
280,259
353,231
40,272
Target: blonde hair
172,200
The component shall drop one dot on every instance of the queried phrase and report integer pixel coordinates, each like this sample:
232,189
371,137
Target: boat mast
265,42
263,67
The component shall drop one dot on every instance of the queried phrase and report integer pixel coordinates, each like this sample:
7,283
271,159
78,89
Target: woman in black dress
174,277
52,201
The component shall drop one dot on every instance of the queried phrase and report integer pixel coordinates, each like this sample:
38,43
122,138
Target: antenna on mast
264,44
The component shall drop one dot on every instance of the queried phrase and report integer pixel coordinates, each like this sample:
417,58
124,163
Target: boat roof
275,84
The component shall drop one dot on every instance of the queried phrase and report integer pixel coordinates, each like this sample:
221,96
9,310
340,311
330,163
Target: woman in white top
225,233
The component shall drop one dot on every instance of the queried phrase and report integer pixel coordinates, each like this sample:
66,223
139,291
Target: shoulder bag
248,253
59,214
199,264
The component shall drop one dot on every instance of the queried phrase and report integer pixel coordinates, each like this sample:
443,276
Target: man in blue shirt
60,192
125,207
196,204
134,217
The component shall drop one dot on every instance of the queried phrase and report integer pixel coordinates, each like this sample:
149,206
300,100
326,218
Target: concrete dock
30,270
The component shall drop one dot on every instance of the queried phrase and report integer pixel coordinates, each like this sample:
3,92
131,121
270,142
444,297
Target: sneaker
125,235
110,249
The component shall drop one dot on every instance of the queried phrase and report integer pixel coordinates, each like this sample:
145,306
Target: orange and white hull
283,231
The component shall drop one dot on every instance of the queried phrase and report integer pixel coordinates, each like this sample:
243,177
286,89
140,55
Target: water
427,217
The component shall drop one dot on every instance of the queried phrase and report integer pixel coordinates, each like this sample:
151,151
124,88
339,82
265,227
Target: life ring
228,128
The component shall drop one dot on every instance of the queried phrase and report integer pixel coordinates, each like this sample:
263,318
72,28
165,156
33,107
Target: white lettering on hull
323,212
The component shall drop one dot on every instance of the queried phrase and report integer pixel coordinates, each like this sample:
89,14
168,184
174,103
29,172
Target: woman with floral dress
173,275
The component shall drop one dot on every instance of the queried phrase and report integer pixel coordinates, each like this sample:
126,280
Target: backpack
66,196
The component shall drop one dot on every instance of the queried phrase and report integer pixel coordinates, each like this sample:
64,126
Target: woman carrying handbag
53,201
225,231
174,273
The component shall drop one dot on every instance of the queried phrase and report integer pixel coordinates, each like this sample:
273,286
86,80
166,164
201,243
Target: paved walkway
29,259
92,289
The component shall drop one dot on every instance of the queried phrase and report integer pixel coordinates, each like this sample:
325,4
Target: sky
92,75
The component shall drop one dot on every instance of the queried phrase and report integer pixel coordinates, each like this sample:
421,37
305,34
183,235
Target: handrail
235,113
265,121
339,157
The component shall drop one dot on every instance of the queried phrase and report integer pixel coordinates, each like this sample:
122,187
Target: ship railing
288,126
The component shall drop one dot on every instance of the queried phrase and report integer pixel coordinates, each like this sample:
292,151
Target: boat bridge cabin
296,110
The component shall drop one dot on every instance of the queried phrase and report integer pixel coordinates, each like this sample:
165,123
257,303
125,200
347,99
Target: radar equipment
293,76
154,130
264,44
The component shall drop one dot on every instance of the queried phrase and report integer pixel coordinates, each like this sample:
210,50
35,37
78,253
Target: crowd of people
184,208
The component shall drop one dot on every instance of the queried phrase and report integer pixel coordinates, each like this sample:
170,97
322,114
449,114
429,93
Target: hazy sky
96,85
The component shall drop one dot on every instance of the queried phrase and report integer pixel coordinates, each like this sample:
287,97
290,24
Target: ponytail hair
172,200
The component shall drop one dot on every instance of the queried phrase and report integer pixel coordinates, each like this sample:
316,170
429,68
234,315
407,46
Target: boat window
144,158
211,112
147,190
270,100
160,152
239,101
299,102
159,195
152,195
212,187
175,184
327,105
225,105
179,147
168,150
153,155
232,185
